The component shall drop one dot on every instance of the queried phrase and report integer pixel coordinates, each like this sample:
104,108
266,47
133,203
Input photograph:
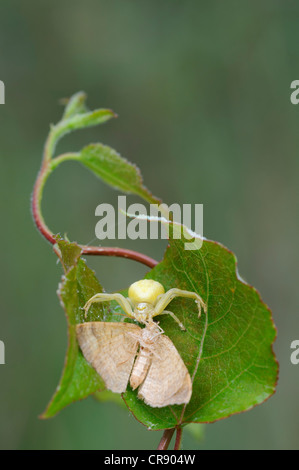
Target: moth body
140,368
147,340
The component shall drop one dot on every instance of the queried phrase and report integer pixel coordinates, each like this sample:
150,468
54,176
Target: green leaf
77,121
102,160
115,170
75,105
228,352
80,121
76,116
78,379
69,253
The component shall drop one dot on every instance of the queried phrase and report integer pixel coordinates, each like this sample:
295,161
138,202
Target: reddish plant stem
166,438
178,438
35,205
121,253
86,250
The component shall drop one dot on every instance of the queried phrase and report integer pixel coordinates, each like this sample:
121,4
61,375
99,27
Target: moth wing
111,349
168,381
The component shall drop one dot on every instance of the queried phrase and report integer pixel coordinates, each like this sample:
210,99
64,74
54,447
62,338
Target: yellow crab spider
146,299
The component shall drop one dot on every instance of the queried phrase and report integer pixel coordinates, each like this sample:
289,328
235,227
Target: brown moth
158,370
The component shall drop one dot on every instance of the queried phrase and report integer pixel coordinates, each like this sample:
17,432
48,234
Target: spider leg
166,298
120,299
167,312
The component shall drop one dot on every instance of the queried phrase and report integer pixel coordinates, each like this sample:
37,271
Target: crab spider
146,299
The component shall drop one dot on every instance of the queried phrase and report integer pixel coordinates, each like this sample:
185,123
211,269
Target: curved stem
36,203
45,171
166,438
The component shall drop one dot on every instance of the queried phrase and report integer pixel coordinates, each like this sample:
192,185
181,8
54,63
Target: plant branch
47,167
72,120
166,438
178,438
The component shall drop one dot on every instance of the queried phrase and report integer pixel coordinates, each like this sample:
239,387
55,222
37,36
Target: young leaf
228,352
69,253
115,170
74,122
75,105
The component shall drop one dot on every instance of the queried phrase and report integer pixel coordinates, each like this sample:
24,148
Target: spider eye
145,290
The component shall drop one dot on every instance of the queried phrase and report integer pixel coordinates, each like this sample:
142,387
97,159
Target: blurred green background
202,90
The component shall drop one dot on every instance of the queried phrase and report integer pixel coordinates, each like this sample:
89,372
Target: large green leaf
228,352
